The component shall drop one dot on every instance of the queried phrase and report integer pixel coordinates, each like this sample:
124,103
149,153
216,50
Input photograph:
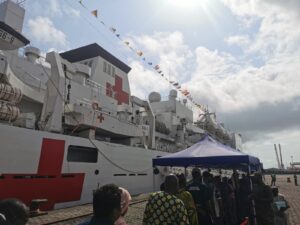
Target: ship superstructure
69,122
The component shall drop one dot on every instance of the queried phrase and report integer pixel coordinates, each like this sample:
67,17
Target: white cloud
43,31
71,12
54,8
166,49
142,80
240,40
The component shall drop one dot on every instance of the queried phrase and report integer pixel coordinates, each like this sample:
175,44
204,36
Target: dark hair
106,199
205,174
181,180
15,211
196,173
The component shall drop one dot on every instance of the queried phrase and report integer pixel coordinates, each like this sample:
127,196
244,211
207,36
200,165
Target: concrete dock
76,215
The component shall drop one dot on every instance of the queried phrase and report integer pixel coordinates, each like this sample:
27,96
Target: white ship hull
28,171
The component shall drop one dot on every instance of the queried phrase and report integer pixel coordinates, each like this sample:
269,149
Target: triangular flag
126,42
159,71
118,35
156,67
150,63
112,29
95,13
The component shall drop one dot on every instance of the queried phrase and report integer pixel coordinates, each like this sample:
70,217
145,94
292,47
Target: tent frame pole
253,221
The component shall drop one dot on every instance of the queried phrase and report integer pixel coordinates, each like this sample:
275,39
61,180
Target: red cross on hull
48,182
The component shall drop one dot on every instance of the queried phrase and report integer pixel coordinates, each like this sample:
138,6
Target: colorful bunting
112,29
185,92
95,13
139,53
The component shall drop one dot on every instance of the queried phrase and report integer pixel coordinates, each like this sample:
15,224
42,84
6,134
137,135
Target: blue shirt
199,192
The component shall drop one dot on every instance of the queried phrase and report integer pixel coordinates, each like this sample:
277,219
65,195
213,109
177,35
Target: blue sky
239,57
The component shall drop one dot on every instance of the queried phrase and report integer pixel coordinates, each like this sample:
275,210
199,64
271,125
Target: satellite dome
154,97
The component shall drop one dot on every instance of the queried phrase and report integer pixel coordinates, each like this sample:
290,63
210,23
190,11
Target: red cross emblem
48,182
120,95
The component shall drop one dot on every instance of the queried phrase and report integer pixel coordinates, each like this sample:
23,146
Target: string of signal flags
156,67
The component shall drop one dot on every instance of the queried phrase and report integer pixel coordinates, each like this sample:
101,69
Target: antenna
281,163
279,167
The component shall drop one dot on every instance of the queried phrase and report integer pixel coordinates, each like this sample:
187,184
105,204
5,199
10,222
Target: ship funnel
32,53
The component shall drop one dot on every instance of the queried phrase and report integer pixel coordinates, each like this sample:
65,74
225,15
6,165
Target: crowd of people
216,200
207,199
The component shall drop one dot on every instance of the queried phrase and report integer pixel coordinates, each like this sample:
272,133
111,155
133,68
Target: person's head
171,184
206,177
196,174
14,211
107,202
125,200
181,180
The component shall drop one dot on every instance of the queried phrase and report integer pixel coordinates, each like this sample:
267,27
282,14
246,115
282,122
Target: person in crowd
201,197
280,207
164,207
187,199
263,198
217,206
295,180
228,200
106,205
243,197
273,179
13,212
125,200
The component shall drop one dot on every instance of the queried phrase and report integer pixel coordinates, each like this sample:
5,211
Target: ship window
108,68
104,66
82,154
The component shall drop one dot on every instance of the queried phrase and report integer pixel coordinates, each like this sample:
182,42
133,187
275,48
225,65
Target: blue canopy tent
211,153
208,153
